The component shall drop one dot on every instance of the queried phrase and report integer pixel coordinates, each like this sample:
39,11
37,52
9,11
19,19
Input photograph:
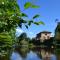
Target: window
48,37
45,33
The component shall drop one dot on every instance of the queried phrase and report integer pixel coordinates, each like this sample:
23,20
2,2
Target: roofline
44,32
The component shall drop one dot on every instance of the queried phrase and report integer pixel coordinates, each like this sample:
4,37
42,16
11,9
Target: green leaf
38,23
35,6
22,21
30,5
6,38
29,23
24,15
26,26
41,23
20,25
36,16
27,5
3,3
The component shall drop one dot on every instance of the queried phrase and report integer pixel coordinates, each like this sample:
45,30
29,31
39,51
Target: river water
33,54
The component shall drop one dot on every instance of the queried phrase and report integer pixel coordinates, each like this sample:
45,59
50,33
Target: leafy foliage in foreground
11,17
30,5
5,39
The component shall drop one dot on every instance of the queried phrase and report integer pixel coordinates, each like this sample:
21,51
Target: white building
44,35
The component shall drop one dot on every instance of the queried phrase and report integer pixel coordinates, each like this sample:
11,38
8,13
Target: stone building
44,35
44,39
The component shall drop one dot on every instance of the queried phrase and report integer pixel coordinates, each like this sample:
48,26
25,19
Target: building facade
44,35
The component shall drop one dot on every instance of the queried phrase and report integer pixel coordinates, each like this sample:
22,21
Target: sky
49,11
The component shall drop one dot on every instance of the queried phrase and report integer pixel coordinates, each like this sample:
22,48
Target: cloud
30,32
19,31
52,35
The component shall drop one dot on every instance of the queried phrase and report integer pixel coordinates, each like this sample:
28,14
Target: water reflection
34,54
15,56
30,56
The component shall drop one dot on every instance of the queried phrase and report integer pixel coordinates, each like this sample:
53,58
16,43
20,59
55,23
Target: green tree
57,40
57,32
11,17
23,39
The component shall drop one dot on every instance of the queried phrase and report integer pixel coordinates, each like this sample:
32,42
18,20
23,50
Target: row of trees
53,41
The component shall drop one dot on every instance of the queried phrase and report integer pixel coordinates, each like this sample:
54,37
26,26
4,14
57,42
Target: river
33,54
